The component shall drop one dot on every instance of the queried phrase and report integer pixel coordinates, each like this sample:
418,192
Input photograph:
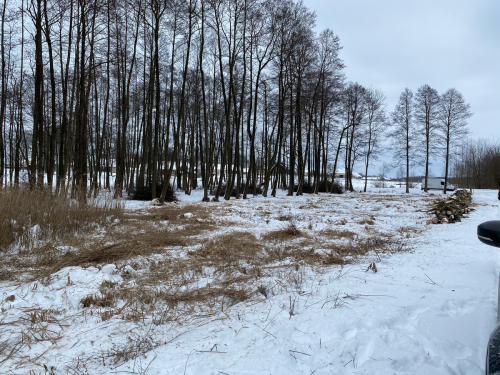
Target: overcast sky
393,44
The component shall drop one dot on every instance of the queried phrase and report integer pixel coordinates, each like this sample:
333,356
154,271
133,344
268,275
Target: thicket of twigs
477,165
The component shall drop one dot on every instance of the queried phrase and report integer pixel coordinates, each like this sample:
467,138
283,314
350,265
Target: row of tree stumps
451,209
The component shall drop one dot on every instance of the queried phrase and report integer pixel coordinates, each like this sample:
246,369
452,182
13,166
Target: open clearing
260,286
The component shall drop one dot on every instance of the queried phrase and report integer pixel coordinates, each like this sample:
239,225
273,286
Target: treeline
240,94
477,164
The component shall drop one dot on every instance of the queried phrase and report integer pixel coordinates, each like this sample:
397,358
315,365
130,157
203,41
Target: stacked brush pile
451,209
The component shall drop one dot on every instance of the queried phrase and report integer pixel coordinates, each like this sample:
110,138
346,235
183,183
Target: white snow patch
428,311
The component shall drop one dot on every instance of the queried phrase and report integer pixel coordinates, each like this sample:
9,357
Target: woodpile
451,209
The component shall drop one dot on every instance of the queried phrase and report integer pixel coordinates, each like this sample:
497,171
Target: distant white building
340,173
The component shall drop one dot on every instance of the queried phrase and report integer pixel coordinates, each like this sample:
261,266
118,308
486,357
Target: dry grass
190,261
137,234
30,217
176,213
308,206
105,300
369,221
286,217
34,222
235,262
289,232
336,234
230,248
166,285
407,232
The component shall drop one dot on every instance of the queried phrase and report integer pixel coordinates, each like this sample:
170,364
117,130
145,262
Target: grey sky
393,44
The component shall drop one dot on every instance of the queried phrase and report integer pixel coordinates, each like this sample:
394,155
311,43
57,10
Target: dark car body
489,233
493,353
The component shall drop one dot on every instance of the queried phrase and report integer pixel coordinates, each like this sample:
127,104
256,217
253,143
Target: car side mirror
489,233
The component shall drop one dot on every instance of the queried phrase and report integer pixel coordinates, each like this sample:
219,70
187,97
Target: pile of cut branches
451,209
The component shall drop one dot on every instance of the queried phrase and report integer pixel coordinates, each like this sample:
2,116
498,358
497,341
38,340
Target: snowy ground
428,310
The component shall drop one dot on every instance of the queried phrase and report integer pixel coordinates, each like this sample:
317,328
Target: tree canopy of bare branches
243,96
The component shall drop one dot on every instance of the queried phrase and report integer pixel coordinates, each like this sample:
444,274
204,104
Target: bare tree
453,116
403,133
53,117
426,115
355,111
37,136
376,125
3,102
324,99
382,172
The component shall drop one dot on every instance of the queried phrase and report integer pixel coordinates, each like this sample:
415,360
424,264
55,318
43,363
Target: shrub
310,188
334,187
378,184
306,188
251,186
145,193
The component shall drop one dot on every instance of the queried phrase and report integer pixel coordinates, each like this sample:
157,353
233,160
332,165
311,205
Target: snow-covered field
429,308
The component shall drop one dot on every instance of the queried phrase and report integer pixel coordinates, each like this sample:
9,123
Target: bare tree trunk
158,13
36,162
63,144
80,118
3,101
208,151
168,171
337,157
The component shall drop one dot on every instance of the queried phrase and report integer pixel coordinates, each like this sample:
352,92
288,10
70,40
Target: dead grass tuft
286,217
287,233
407,232
174,302
103,300
336,234
334,258
262,289
366,221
